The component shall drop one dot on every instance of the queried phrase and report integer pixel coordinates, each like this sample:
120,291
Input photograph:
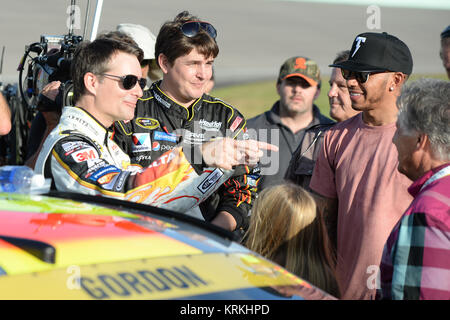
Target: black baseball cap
373,52
445,33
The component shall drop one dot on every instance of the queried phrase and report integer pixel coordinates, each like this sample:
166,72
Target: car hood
53,248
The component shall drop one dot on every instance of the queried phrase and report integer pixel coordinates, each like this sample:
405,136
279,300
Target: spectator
445,49
5,116
285,227
415,263
338,96
359,190
145,39
304,158
289,120
176,109
80,155
210,84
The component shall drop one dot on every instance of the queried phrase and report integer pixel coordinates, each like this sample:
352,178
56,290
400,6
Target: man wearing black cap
359,188
445,49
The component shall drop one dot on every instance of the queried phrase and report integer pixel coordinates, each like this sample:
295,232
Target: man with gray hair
415,263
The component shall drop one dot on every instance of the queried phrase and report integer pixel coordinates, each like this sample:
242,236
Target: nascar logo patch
147,123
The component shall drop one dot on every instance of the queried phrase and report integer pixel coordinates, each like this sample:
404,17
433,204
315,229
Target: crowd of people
357,205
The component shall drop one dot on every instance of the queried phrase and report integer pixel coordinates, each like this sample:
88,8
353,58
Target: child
285,227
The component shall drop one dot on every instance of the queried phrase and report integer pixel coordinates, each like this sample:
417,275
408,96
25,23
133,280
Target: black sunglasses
129,81
191,28
361,77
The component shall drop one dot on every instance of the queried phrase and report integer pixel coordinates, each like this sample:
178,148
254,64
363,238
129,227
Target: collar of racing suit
78,119
171,106
73,119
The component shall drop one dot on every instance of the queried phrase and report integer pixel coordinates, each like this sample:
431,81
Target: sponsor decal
156,146
120,181
87,126
72,146
141,142
85,154
147,123
236,123
165,147
163,136
162,101
210,180
94,165
164,159
96,176
193,138
107,178
142,157
210,125
252,180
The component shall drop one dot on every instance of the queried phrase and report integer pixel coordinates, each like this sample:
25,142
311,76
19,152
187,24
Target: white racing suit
80,156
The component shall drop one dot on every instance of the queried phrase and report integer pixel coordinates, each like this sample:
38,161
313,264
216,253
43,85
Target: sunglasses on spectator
191,28
361,77
129,81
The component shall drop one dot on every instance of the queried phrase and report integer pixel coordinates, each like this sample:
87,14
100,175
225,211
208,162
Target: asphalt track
255,36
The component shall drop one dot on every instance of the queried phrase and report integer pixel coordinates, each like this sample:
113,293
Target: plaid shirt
416,257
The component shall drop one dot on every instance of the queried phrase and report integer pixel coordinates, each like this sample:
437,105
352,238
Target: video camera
51,63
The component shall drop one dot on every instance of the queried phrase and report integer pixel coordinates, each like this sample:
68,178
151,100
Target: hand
226,153
51,89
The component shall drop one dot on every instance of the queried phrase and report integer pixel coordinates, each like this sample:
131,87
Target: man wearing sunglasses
177,110
359,190
80,155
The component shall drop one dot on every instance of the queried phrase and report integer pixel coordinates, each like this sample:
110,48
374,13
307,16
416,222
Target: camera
52,62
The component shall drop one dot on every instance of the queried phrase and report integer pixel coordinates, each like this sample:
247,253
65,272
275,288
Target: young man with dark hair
80,155
176,111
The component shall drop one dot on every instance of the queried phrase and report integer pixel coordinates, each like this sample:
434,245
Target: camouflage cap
300,67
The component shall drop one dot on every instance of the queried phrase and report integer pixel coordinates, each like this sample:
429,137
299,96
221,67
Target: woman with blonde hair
285,227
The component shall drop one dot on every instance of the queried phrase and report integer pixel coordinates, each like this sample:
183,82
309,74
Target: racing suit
80,156
160,124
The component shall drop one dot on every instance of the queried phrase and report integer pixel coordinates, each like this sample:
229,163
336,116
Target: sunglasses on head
129,81
191,28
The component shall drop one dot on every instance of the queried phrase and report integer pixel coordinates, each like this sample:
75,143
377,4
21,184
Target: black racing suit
160,124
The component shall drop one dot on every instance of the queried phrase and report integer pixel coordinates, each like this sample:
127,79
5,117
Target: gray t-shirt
267,127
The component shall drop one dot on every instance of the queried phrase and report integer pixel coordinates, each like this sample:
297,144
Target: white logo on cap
358,44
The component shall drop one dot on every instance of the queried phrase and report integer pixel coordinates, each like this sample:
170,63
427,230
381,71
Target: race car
73,246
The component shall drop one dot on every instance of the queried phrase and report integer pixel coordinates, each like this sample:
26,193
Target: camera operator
5,116
44,122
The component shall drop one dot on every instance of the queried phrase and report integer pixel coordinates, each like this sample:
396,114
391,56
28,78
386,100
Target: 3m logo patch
141,142
85,154
210,180
236,123
147,123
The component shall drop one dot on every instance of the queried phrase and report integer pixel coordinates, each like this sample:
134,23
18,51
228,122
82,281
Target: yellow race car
72,246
